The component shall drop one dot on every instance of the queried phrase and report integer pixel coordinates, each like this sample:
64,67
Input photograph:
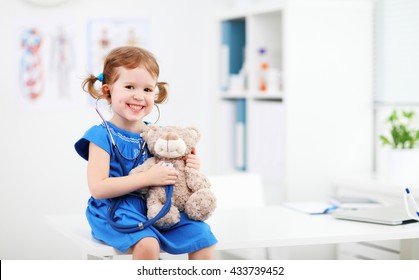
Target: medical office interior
295,91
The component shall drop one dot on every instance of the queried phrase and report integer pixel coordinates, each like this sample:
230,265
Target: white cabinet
372,250
312,116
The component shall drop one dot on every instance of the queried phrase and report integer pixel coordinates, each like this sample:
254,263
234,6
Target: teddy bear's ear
195,133
148,131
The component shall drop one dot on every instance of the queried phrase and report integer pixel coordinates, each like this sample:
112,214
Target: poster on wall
106,34
46,63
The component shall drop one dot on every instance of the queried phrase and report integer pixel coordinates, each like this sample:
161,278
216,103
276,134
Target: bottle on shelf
263,68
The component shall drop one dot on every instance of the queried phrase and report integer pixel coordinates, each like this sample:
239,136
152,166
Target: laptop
386,215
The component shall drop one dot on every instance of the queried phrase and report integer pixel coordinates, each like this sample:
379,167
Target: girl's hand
193,161
162,175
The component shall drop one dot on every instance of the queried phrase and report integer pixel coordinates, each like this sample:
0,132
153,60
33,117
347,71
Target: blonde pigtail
163,92
88,86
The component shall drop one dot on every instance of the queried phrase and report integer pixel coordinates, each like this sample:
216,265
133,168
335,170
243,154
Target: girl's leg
207,253
147,248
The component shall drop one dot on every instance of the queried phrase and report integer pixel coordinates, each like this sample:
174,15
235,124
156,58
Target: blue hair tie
100,77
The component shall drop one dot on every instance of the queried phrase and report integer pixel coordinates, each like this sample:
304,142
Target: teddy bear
191,193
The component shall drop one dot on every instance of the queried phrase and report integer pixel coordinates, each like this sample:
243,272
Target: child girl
129,84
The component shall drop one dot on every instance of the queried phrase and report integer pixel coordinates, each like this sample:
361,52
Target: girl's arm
102,186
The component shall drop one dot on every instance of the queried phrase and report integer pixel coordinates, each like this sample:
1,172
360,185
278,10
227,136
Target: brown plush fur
192,192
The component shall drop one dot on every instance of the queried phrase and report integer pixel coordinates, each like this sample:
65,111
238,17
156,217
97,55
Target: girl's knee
207,253
149,244
146,248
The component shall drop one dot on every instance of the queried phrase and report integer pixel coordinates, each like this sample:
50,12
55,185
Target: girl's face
132,98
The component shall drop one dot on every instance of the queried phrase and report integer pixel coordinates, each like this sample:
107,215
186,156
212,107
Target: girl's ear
106,92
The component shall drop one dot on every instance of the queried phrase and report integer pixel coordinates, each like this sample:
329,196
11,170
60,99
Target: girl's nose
138,96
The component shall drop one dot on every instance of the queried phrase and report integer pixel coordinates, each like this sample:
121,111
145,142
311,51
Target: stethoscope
116,201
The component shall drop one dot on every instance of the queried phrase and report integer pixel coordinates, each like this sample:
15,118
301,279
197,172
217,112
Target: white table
263,227
383,188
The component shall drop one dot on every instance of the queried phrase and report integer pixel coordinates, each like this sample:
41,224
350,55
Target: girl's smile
135,108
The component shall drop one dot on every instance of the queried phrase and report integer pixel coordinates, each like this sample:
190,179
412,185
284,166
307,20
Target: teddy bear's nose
170,136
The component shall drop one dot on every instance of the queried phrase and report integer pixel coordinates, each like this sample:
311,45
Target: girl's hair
130,58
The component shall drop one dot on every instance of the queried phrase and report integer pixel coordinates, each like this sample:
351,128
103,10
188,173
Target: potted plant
403,139
403,135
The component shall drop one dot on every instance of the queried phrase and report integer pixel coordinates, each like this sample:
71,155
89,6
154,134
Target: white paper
311,207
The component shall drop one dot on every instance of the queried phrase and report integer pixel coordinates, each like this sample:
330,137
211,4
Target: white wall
40,170
397,59
329,94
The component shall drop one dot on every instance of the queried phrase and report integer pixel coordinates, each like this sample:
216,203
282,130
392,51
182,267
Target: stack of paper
311,207
354,202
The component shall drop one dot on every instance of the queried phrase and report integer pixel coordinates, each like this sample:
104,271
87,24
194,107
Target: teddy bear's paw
201,205
170,219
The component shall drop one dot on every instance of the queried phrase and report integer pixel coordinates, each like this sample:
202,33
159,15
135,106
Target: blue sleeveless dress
185,237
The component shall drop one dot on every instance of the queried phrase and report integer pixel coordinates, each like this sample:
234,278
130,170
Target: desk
264,227
378,187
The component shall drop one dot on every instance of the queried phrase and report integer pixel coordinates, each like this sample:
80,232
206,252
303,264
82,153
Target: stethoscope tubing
117,201
142,225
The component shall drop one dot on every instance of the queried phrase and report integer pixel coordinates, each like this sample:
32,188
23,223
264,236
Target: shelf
230,94
256,97
264,8
251,52
268,97
251,60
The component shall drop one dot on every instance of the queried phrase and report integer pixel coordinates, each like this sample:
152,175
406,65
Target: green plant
402,134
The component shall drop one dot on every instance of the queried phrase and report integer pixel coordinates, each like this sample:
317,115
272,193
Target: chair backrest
238,190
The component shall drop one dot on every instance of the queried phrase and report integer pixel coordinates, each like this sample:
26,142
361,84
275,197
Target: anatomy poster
106,34
46,63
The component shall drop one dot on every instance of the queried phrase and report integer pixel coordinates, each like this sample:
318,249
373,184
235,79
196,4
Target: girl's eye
129,87
148,90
